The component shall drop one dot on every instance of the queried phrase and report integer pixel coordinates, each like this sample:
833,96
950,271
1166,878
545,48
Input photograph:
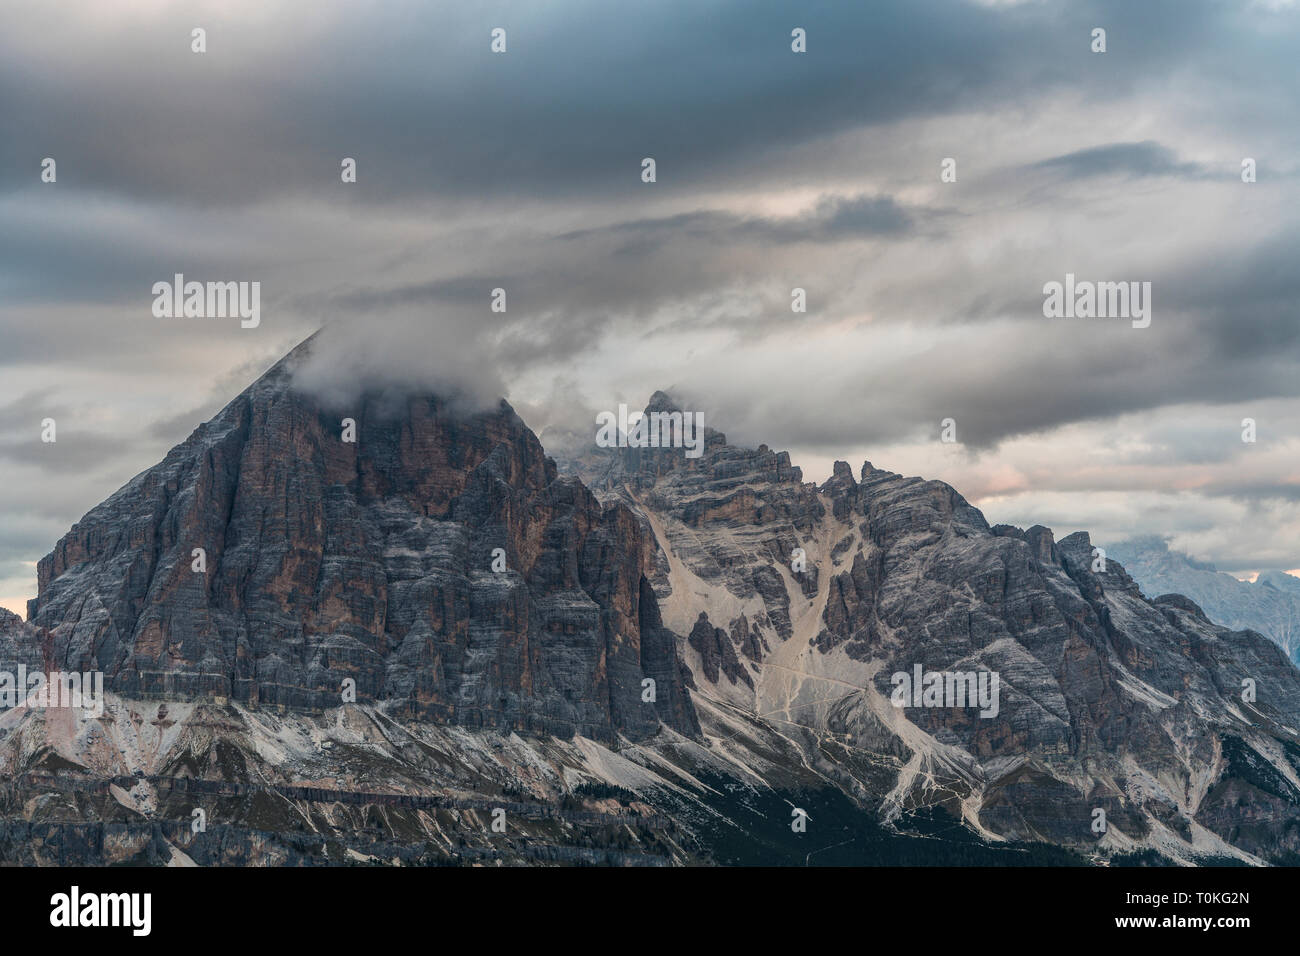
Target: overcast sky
775,170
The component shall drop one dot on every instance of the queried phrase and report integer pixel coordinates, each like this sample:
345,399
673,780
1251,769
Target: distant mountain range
376,651
1270,605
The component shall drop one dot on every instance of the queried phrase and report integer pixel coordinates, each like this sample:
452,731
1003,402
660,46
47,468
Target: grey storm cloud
1248,298
774,170
560,302
1147,158
834,218
16,415
75,448
413,93
418,99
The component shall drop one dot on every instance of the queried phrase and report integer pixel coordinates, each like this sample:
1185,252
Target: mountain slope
1269,605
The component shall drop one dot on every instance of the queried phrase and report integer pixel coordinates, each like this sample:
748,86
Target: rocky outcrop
21,645
717,650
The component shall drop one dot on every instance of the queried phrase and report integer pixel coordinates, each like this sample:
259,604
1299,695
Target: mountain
370,560
1269,605
669,660
1109,700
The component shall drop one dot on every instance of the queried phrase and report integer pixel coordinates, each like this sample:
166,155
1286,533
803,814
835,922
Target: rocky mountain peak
660,401
1279,581
427,555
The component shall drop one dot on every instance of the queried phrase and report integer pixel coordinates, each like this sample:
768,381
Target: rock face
325,560
1270,604
20,644
1183,732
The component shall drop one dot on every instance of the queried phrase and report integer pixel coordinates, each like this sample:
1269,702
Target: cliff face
373,560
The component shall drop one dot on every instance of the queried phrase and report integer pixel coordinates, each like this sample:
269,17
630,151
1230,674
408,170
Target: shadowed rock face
370,560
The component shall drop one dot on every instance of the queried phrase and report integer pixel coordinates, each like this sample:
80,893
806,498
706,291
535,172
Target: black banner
363,905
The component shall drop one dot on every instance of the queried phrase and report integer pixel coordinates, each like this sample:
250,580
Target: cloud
831,219
1147,158
412,92
776,170
410,355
